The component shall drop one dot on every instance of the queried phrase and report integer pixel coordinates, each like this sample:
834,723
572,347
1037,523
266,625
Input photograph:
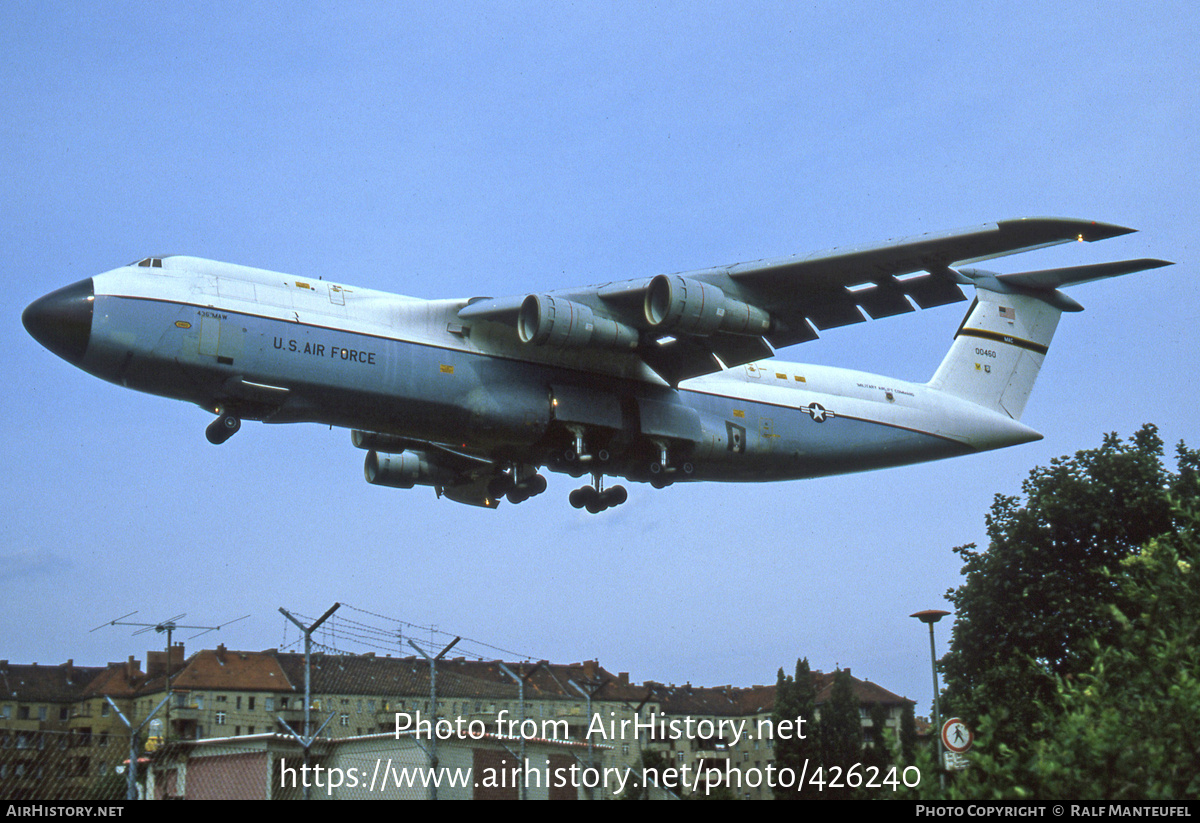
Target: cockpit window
155,262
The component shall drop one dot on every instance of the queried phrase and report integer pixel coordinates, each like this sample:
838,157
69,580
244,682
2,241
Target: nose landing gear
223,428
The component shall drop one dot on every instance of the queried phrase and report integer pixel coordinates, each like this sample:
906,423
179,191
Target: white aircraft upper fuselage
662,379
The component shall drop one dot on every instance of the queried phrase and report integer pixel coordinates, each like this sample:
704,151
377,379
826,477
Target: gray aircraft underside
661,379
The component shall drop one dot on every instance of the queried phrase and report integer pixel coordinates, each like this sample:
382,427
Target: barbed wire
377,638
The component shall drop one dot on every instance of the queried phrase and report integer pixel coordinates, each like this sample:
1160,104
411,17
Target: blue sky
457,149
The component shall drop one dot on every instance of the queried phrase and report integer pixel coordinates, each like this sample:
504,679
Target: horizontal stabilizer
1057,278
1044,284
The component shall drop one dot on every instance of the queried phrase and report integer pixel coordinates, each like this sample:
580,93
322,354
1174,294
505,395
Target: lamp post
931,616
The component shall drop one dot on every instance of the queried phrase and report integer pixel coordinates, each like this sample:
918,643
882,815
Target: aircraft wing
689,324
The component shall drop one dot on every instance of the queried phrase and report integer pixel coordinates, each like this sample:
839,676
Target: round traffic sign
957,737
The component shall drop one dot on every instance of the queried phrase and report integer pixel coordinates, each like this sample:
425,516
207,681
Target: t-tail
1000,346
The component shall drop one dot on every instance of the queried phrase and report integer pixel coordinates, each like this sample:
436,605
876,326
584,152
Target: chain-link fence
66,765
446,720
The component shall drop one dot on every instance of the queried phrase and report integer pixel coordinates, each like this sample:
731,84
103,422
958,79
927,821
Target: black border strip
1000,337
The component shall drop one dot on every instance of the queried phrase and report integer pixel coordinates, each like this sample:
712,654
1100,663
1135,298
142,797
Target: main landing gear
595,498
518,485
223,428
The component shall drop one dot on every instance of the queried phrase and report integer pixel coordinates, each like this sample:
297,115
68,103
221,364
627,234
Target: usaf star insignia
817,412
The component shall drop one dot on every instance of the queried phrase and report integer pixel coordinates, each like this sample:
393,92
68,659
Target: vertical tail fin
998,351
1002,342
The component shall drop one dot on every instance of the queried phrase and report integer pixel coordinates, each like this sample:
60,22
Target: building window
220,718
250,703
345,719
269,704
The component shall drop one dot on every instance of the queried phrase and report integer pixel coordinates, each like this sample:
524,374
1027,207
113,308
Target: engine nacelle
552,321
379,442
681,306
403,471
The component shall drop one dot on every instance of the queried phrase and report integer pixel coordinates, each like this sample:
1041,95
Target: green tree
1125,728
879,754
795,698
1035,604
841,733
908,734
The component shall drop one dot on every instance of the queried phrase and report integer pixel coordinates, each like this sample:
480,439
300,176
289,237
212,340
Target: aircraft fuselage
283,349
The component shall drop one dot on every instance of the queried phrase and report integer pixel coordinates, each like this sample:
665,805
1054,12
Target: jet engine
552,321
405,470
678,305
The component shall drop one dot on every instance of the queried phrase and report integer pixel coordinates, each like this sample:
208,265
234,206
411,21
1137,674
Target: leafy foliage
1036,605
1125,728
908,734
795,697
841,730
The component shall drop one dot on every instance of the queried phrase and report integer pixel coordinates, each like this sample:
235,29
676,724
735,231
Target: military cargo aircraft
659,379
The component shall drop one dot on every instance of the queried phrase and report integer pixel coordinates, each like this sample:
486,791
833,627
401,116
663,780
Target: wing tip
1071,228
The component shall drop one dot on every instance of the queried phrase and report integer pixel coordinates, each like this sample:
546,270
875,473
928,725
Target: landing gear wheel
616,495
596,501
500,485
581,496
223,428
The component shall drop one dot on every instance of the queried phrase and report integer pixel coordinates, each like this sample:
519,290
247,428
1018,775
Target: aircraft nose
62,320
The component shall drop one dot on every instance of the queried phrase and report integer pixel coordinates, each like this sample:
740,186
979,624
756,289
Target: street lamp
931,616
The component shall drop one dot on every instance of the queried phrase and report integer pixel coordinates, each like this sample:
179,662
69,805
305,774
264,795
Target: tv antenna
168,626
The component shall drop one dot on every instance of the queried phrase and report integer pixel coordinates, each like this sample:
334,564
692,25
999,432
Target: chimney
156,664
221,654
